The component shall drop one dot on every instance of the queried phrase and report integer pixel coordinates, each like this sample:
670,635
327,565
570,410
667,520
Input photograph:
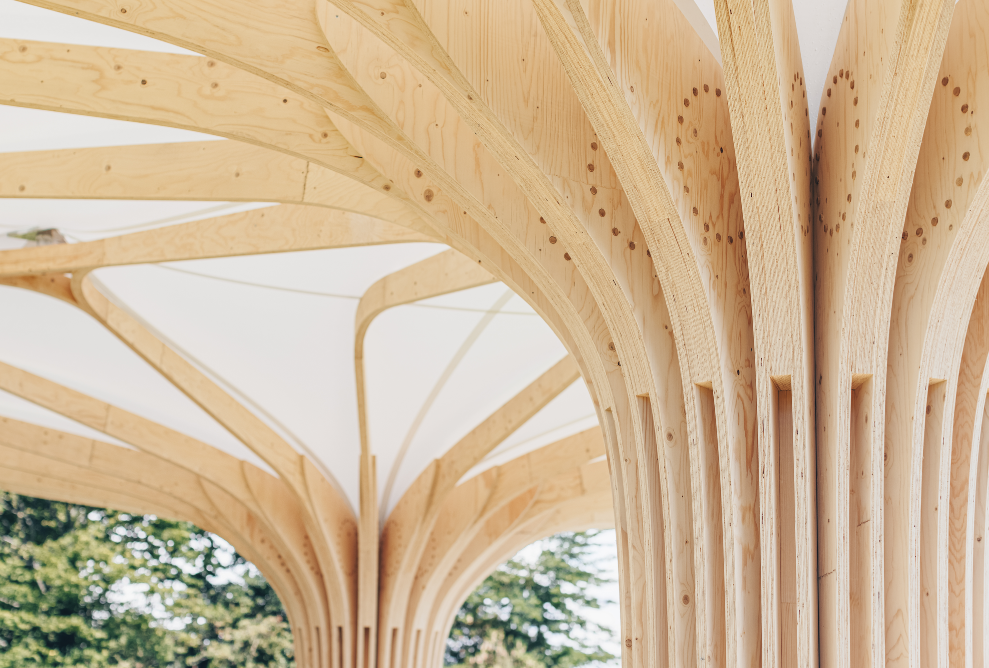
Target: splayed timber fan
472,272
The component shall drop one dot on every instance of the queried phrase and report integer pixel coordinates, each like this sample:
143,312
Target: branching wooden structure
783,322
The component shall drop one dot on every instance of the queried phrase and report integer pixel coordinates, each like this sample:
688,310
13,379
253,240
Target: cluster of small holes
959,180
691,118
843,83
797,146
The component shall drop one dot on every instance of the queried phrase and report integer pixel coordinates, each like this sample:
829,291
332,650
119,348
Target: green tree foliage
528,613
92,587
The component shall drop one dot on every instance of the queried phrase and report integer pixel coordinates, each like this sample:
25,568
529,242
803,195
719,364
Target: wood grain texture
410,524
781,327
280,229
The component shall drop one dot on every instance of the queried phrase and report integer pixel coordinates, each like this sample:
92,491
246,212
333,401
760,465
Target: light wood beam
187,92
957,586
143,434
573,508
194,171
942,258
654,97
977,571
763,76
441,274
502,167
940,275
279,229
868,136
236,418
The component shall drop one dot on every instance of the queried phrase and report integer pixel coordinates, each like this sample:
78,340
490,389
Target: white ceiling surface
288,355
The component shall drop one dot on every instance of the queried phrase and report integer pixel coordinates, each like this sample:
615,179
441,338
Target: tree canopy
92,587
530,612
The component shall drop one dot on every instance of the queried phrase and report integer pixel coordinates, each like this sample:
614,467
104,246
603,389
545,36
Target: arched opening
90,586
554,603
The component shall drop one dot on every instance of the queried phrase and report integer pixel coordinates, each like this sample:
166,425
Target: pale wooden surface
762,327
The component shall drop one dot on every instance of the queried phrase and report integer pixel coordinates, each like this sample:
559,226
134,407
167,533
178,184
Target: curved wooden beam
280,229
669,174
937,280
467,509
187,92
869,134
244,425
957,587
763,75
506,166
565,506
977,566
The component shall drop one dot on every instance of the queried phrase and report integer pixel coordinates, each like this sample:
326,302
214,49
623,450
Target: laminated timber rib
776,297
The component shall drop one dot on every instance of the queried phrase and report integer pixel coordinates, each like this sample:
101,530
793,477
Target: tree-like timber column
774,295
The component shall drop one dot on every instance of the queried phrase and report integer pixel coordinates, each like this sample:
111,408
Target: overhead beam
187,92
279,229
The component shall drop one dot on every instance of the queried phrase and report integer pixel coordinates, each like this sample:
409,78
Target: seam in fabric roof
316,293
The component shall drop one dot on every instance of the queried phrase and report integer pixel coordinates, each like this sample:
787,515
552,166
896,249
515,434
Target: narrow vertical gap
340,645
860,543
394,644
786,530
713,527
415,649
367,647
318,643
934,415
